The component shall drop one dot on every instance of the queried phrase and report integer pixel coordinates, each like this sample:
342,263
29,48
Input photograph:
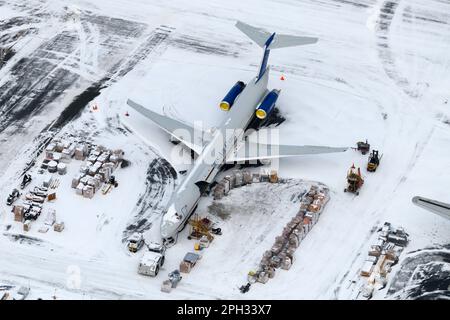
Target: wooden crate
27,225
58,227
185,267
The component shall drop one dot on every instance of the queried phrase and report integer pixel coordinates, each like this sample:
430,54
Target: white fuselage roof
209,161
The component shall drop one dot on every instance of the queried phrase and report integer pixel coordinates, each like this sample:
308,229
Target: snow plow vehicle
354,180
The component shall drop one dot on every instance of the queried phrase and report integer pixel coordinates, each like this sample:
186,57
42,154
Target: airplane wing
254,151
179,130
440,208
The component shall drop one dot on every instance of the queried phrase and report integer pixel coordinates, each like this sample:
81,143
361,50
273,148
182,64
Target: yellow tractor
374,161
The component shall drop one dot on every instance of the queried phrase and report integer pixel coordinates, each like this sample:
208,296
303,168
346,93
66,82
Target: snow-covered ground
379,71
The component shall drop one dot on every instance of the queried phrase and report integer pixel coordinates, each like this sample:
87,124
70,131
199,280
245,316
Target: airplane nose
170,222
168,228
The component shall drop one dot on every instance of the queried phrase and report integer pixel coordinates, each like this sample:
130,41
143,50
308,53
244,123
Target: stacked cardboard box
226,186
88,191
49,150
118,154
185,267
247,176
232,180
58,227
104,157
79,189
263,277
105,173
219,191
166,286
81,151
27,225
18,213
239,179
256,177
286,263
273,177
281,255
68,153
76,180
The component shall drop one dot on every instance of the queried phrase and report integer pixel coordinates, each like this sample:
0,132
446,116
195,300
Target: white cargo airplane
439,208
242,103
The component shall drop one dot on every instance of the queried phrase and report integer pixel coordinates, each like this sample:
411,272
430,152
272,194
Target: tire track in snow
386,16
418,150
68,60
150,44
159,186
35,82
396,11
424,274
388,12
73,110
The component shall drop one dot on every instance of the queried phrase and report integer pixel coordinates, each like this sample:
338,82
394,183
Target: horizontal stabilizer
255,151
285,40
260,37
440,208
173,127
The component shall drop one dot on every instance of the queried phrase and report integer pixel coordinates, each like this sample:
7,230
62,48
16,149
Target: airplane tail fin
269,41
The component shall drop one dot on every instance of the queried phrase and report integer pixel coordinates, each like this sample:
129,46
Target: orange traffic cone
282,78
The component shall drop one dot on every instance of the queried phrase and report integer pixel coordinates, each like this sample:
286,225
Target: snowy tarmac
380,71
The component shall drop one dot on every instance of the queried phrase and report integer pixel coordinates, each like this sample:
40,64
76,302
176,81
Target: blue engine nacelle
267,105
228,101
